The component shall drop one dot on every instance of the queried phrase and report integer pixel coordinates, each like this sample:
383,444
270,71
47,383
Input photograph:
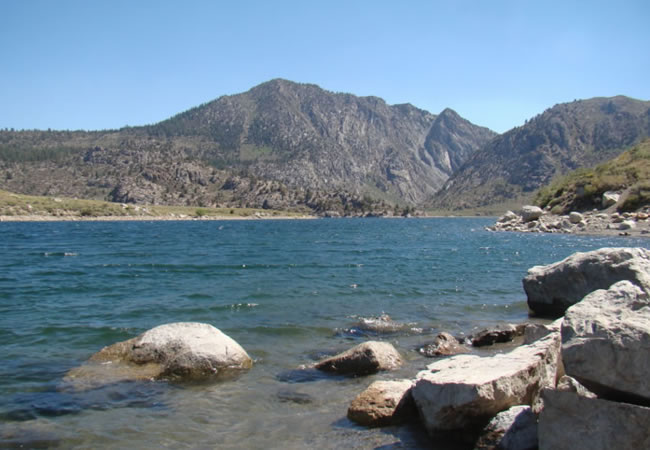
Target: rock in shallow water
176,351
444,344
384,403
363,359
500,334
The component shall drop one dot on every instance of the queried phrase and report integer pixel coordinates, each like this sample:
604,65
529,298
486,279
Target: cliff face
563,138
282,143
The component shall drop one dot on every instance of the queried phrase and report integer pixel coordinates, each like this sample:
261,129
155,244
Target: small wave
376,326
59,254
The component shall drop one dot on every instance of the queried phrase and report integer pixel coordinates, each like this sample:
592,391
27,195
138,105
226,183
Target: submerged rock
462,393
444,344
382,324
500,334
363,359
553,288
606,341
384,403
176,351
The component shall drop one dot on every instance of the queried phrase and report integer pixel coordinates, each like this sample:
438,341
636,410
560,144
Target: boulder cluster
532,219
579,382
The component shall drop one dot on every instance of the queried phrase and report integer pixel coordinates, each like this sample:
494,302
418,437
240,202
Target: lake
289,291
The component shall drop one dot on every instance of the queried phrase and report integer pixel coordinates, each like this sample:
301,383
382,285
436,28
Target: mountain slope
280,144
303,136
563,138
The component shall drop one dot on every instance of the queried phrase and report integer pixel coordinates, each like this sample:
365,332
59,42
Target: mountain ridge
565,137
269,145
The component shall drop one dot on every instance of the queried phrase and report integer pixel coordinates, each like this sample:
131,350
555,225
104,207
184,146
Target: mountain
303,136
563,138
280,144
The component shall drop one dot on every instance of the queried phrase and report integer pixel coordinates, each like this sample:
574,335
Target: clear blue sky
105,64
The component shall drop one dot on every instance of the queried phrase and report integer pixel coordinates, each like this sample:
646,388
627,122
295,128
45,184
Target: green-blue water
287,291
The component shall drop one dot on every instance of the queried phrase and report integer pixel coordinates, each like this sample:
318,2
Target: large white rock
606,341
610,198
529,213
383,403
512,429
509,216
464,392
363,359
177,351
570,421
551,289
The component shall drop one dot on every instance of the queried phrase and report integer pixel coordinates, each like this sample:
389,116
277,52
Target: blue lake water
287,291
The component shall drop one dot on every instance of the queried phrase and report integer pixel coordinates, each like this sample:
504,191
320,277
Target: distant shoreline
43,218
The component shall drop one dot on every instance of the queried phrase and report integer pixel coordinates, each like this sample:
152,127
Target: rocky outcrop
570,421
512,429
606,342
384,403
175,351
363,359
444,344
464,392
551,289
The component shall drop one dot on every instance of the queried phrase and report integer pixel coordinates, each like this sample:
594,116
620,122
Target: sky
105,64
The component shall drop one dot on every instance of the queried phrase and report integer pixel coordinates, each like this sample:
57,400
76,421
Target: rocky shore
579,382
532,219
570,385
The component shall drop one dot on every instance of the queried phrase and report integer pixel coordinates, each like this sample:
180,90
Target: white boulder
610,198
570,421
529,213
363,359
606,341
177,351
464,392
551,289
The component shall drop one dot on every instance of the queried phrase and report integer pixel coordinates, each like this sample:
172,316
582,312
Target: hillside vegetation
583,189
